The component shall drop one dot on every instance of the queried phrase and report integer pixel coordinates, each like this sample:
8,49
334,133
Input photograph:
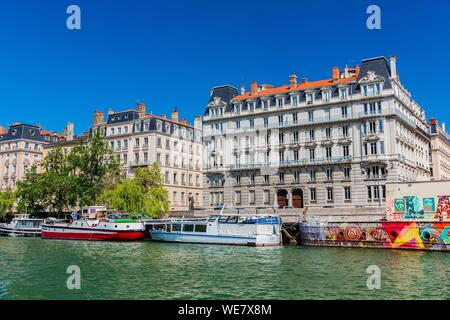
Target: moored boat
95,224
247,230
22,226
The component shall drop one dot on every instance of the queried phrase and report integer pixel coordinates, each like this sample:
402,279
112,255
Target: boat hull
19,232
409,235
259,241
96,236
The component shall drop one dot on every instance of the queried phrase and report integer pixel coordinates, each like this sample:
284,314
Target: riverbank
36,269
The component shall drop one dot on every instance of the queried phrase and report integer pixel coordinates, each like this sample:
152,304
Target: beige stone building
330,143
68,143
439,151
139,139
22,147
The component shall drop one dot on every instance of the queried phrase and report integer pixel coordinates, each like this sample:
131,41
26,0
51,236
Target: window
296,155
326,95
372,127
328,152
281,156
383,192
252,123
329,194
279,102
343,93
345,151
309,98
238,124
281,137
344,112
237,197
328,133
311,116
346,173
266,179
380,125
365,149
369,193
238,180
200,228
311,134
347,194
296,135
296,176
266,196
376,192
266,122
295,118
373,148
312,194
345,131
251,197
311,154
294,101
252,178
329,174
312,175
281,177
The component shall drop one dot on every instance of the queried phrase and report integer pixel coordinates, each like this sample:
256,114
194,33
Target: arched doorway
282,198
297,198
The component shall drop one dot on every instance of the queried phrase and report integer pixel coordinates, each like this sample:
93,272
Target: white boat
22,226
247,230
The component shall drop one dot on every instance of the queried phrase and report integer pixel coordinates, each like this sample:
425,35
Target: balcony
344,139
137,163
372,136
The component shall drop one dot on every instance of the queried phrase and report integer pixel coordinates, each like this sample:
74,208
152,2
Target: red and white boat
95,224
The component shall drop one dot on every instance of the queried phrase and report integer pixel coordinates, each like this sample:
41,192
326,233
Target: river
37,269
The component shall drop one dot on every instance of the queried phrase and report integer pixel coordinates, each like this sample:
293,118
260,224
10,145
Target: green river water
36,269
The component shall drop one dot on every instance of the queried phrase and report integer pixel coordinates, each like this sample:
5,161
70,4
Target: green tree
7,199
144,193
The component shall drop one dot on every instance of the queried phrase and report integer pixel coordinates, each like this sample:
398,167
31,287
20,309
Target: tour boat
247,230
95,224
22,226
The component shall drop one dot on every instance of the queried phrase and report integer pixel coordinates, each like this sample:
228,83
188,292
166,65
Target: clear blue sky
170,53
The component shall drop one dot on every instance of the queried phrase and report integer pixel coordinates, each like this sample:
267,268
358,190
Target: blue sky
170,53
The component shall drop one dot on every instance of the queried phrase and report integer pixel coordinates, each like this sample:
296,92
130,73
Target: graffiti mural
385,234
443,207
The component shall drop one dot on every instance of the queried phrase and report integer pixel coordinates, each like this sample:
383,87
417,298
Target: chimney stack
393,65
357,69
242,89
304,80
110,112
183,121
443,126
175,115
141,109
198,122
2,129
292,81
69,133
163,116
253,87
335,72
346,73
99,118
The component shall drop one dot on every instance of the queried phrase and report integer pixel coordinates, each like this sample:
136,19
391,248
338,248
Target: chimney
292,81
175,115
346,74
335,72
65,131
99,118
163,116
198,122
253,87
443,126
141,109
357,69
2,129
183,121
242,89
393,65
304,80
110,112
433,121
69,133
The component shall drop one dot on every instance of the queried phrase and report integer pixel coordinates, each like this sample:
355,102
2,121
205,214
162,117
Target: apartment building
439,151
66,145
327,143
21,147
139,139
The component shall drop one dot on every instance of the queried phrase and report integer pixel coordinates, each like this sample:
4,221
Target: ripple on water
36,269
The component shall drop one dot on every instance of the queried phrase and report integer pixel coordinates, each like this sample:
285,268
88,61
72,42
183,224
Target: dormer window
294,101
343,93
371,89
326,95
237,109
280,102
310,97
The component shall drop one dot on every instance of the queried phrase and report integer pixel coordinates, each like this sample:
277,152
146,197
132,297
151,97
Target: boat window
176,227
223,219
232,219
200,228
188,227
212,218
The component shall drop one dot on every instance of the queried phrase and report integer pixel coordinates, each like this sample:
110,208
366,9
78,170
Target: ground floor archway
297,198
282,198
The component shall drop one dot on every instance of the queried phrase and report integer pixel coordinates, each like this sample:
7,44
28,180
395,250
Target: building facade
326,143
21,148
66,145
439,151
139,139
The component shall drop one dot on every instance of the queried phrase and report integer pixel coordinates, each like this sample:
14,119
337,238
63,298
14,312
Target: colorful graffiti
412,207
386,234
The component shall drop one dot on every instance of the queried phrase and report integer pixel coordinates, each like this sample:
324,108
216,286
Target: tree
144,193
69,180
7,199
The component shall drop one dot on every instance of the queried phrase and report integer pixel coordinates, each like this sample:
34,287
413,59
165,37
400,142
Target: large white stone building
439,151
139,139
326,143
